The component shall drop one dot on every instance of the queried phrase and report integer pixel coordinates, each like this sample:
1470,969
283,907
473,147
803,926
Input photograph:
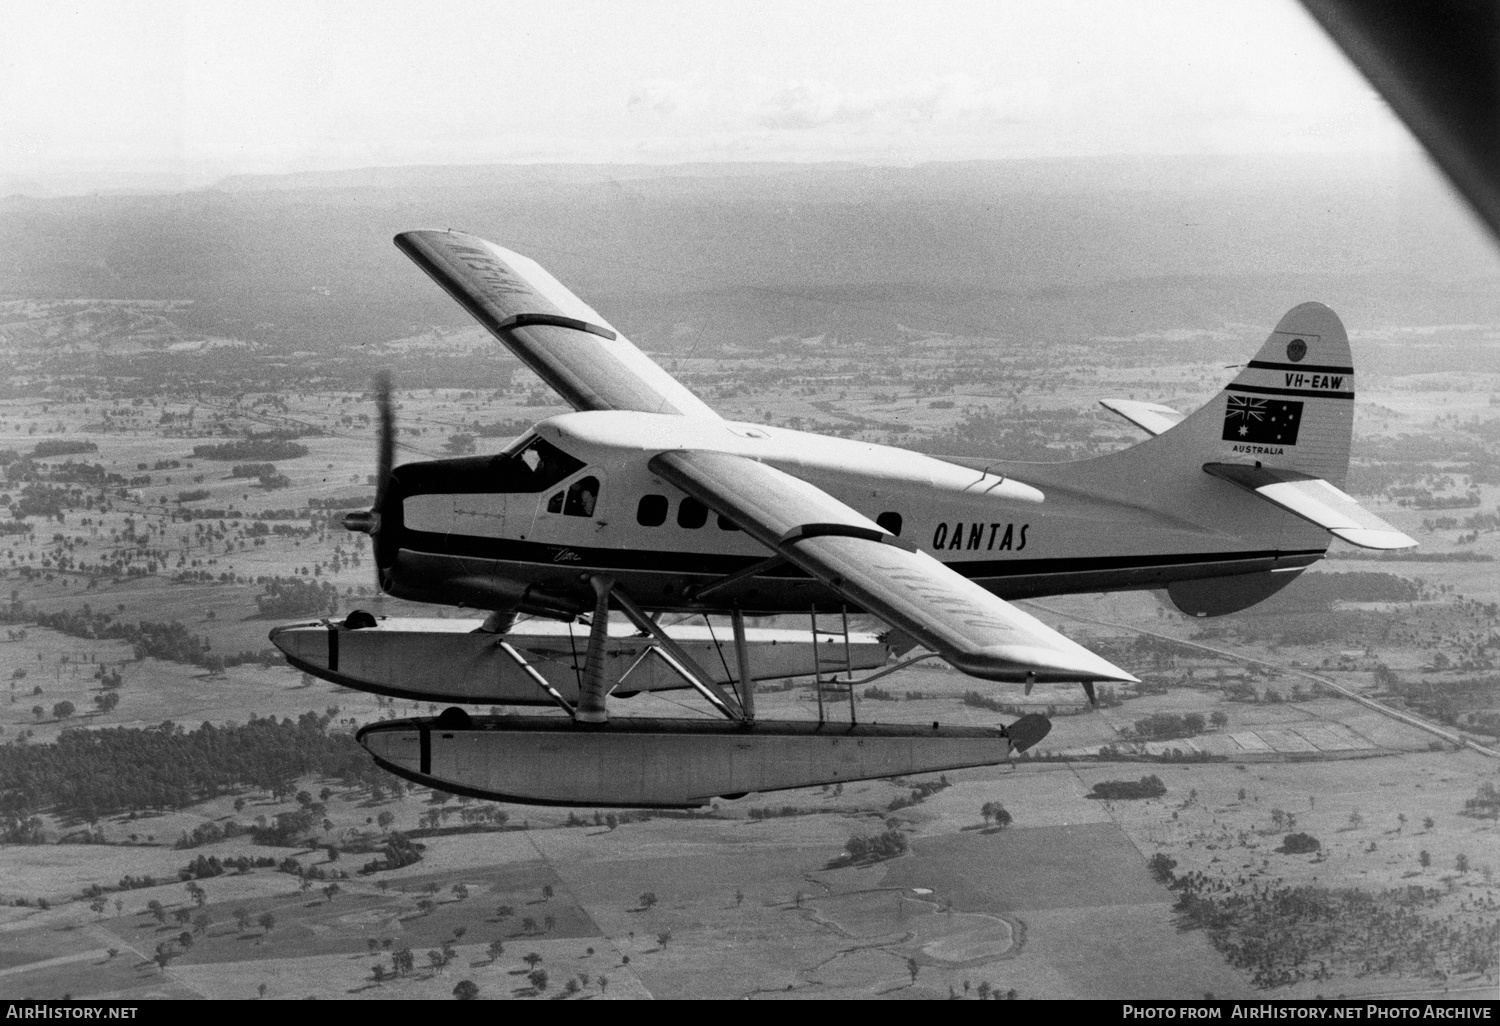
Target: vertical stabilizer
1292,407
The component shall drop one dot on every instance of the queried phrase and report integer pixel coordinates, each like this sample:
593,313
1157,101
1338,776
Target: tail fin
1291,408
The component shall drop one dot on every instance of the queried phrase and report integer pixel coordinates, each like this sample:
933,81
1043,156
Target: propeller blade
368,522
387,451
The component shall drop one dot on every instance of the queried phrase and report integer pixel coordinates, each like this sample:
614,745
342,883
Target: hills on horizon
1034,250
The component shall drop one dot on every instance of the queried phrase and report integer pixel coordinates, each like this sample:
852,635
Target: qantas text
988,537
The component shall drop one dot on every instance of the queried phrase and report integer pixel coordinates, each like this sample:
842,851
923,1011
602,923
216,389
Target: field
129,519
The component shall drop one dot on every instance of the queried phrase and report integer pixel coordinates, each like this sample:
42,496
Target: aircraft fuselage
577,497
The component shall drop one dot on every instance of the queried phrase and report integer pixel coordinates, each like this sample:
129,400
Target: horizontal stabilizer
1314,499
1152,418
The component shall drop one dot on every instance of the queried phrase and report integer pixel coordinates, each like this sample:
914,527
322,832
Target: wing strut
729,581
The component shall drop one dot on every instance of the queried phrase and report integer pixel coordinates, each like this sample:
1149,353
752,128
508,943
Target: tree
438,960
548,922
739,898
1219,719
161,958
1425,858
495,950
460,892
528,925
663,938
201,922
648,899
242,917
538,978
330,890
913,967
504,911
267,921
466,990
1461,863
62,710
1299,844
378,971
1003,818
1428,823
403,961
385,819
532,959
38,712
157,910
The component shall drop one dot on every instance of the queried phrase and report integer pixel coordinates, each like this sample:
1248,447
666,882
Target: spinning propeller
368,522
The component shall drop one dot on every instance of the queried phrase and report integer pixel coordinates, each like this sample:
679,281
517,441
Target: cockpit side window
533,465
582,497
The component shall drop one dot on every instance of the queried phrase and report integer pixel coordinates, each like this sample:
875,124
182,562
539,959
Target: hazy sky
103,94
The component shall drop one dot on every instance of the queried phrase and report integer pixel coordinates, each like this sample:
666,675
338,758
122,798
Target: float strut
676,657
742,661
531,672
849,667
592,688
817,665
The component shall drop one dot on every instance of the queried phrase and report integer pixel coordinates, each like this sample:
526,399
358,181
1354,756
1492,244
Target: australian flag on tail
1264,421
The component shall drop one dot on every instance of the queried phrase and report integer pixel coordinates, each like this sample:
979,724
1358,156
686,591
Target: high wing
556,334
975,631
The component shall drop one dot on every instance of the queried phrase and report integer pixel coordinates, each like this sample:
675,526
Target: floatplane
644,502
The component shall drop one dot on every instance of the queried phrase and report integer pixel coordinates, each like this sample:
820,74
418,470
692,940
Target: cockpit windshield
533,465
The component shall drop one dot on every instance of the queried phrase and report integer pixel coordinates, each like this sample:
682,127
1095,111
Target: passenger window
692,514
725,524
582,497
652,511
554,504
891,522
